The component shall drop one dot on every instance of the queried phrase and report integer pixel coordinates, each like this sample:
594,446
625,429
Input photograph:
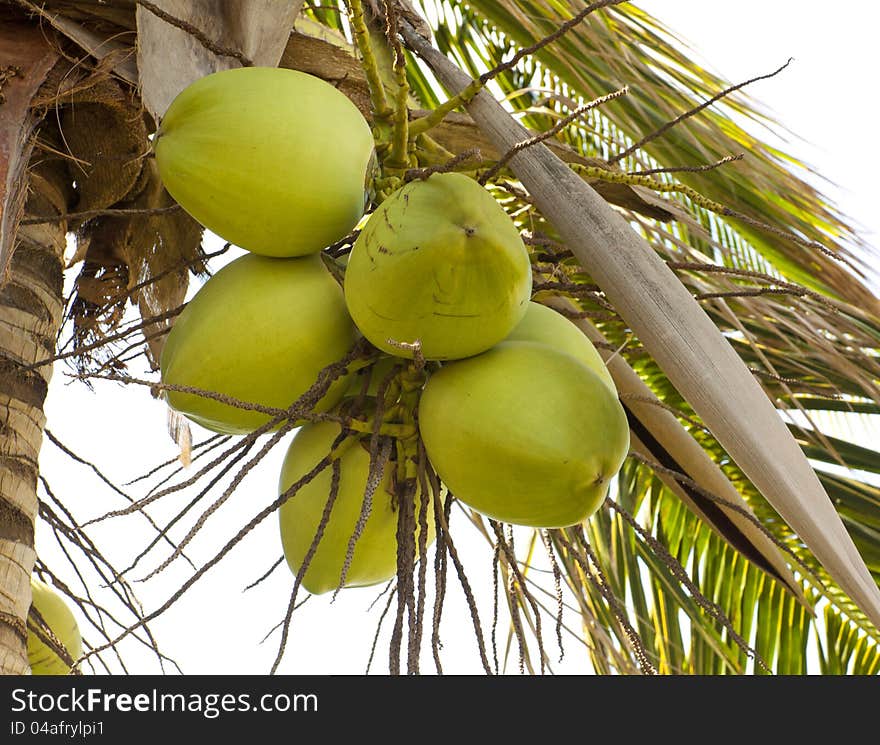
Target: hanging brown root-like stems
68,533
233,461
406,525
379,628
224,551
200,449
583,555
449,166
496,571
556,128
684,479
310,553
689,169
305,403
224,497
240,444
557,586
297,410
64,449
433,488
680,573
380,452
442,516
280,624
691,112
521,592
278,562
425,504
77,536
512,596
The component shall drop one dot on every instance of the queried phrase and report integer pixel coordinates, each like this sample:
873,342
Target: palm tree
720,552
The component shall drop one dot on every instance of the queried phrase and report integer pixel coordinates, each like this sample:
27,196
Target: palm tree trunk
31,309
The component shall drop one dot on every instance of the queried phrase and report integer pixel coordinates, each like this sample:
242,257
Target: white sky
827,96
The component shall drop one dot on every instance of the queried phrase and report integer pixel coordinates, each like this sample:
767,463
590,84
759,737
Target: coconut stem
430,152
371,67
386,429
420,126
400,157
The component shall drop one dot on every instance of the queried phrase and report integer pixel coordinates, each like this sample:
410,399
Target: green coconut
524,433
438,262
375,554
545,326
56,614
260,330
273,160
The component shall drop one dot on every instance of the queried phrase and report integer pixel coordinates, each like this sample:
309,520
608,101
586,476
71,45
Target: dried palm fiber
104,134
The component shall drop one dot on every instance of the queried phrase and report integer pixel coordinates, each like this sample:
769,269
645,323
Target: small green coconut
441,263
56,614
273,160
375,554
260,331
524,433
545,326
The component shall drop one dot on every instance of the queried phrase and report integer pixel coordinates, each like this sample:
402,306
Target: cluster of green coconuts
518,416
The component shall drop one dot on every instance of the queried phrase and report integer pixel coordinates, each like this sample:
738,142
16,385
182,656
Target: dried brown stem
556,128
510,558
90,214
224,551
601,583
549,39
690,169
687,114
278,562
420,174
108,339
198,35
310,553
55,441
684,479
712,608
379,628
